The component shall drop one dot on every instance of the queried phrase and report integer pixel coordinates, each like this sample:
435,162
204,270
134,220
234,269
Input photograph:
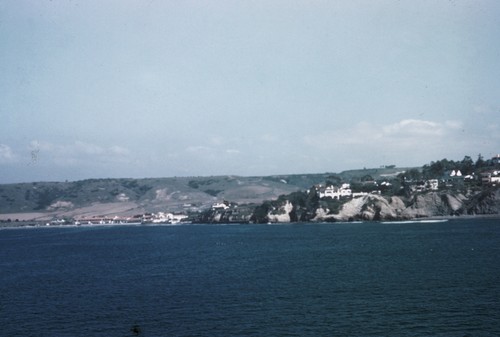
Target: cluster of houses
491,177
165,218
344,190
426,185
488,178
147,218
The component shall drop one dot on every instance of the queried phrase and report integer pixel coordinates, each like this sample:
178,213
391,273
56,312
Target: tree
260,213
467,165
437,169
434,170
367,177
413,174
333,180
480,162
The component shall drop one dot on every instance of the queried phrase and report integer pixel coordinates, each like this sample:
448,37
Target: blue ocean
339,279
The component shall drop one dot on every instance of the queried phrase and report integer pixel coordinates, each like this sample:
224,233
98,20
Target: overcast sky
98,89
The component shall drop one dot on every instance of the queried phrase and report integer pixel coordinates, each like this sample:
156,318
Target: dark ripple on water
293,280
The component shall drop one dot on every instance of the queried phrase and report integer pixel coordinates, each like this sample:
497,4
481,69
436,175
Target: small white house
220,205
336,192
433,184
492,177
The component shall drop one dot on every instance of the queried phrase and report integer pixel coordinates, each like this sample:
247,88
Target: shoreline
27,224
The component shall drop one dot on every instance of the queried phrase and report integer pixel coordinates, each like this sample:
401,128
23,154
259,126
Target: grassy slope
154,194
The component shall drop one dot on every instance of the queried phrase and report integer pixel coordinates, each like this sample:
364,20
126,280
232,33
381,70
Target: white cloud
198,149
119,150
484,109
77,153
413,127
405,132
7,155
217,140
454,124
212,152
86,148
269,138
406,142
355,135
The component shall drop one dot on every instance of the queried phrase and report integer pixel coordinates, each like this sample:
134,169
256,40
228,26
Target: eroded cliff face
486,202
371,207
435,204
377,207
282,214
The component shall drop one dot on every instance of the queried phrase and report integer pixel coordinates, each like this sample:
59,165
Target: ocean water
340,279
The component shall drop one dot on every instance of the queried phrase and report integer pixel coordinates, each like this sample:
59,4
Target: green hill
173,194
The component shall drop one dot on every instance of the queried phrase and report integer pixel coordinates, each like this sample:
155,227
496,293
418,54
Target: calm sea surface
351,279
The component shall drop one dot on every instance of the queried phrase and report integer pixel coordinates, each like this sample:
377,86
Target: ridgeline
442,188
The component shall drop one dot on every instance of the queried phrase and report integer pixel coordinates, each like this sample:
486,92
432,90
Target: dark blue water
357,279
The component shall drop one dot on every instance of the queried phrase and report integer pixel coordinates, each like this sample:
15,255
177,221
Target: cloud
210,152
7,155
119,151
413,127
77,153
407,142
485,109
86,148
407,131
198,149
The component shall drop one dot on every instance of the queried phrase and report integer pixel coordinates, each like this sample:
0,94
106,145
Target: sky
150,88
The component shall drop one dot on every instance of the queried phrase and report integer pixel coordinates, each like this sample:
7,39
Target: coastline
44,221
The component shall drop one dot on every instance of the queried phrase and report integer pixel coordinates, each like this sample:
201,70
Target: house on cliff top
336,192
344,191
490,177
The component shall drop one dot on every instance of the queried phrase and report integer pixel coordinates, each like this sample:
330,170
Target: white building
168,218
432,184
492,177
220,205
336,192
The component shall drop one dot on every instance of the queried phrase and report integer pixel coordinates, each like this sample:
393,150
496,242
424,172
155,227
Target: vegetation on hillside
406,184
253,198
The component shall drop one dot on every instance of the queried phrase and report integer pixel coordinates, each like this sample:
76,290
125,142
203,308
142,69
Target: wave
415,221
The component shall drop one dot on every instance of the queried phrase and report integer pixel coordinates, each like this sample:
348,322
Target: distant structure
339,192
336,192
432,184
490,177
221,205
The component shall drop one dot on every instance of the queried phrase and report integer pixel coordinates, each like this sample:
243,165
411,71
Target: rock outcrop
282,214
375,207
371,207
486,202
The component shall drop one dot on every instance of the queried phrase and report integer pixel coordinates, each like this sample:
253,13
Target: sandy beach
97,209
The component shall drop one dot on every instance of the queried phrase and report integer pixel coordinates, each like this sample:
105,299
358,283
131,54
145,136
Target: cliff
109,197
277,199
374,207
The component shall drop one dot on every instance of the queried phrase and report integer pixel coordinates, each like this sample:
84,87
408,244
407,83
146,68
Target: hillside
372,194
438,189
46,200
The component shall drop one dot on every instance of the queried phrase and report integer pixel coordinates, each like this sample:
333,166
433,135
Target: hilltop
107,197
442,188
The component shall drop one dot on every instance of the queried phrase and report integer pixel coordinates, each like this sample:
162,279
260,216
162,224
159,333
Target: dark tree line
437,169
